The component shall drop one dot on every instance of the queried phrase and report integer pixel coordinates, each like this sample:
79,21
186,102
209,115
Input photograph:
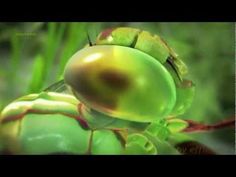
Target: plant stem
198,127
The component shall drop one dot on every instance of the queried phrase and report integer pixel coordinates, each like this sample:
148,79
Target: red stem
198,127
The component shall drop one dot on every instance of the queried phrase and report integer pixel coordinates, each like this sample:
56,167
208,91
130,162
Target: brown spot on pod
85,88
115,80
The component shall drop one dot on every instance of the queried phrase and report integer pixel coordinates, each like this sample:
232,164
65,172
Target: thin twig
198,127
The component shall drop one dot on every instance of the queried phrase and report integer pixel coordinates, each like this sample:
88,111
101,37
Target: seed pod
130,74
122,82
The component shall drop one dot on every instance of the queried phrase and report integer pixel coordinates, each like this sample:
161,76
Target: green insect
119,96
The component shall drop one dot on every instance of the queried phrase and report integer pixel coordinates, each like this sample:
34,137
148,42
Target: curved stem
198,127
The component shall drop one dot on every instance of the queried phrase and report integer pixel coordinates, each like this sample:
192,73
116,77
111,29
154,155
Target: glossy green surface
121,82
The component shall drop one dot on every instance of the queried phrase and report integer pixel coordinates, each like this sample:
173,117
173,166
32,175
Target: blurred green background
33,55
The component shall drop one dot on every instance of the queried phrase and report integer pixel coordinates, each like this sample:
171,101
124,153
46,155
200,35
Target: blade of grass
16,52
37,76
55,35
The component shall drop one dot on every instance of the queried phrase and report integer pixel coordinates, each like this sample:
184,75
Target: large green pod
122,82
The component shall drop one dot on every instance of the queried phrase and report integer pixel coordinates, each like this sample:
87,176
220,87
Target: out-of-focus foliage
33,55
